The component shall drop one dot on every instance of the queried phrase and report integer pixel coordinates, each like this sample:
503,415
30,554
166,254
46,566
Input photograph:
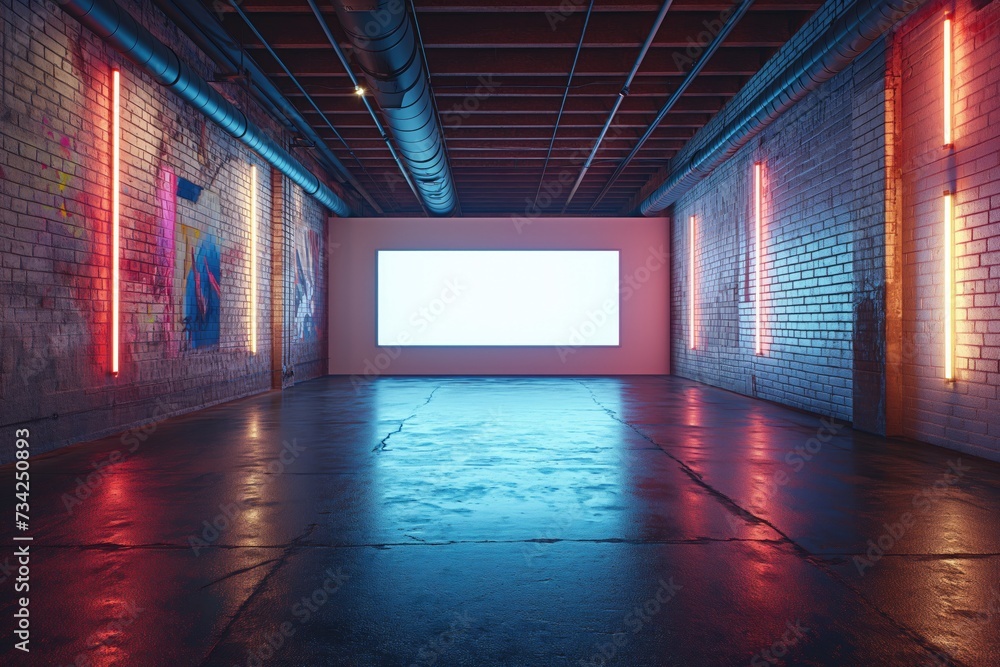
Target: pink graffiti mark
67,146
163,286
81,275
211,278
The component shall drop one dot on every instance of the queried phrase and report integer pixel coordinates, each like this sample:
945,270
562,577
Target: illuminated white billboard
498,297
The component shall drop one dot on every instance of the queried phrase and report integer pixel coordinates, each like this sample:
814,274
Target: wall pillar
868,213
279,261
893,250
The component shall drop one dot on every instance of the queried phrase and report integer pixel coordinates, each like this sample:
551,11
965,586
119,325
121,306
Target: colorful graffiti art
198,268
307,277
57,169
165,258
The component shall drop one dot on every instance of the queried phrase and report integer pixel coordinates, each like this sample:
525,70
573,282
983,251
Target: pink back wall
645,275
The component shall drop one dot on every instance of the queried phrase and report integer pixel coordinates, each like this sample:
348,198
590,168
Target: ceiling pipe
387,50
562,105
235,4
622,94
120,31
208,35
849,35
236,65
364,98
430,86
710,50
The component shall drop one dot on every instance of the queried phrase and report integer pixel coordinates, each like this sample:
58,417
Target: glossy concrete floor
518,521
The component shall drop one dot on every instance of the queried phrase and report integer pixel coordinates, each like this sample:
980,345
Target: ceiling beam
525,6
509,31
475,62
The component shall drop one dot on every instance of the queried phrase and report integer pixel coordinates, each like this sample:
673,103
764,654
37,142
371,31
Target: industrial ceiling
500,71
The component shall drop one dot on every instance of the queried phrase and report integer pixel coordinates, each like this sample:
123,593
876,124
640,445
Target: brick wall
822,184
853,280
307,298
184,333
964,414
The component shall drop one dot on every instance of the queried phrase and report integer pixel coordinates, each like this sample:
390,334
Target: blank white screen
498,297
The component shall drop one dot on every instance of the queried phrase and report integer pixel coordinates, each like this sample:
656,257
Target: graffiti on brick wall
58,168
307,283
198,271
163,279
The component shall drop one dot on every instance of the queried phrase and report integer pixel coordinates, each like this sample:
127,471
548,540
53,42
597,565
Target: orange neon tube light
948,250
253,259
947,83
691,279
115,215
757,259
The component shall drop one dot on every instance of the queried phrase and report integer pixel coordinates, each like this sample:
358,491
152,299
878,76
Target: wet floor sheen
508,521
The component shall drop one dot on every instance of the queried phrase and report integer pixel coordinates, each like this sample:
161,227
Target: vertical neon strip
115,220
253,259
757,254
948,250
691,279
947,58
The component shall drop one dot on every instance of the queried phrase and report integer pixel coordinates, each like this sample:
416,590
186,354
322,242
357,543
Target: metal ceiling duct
854,30
201,26
321,20
117,28
388,52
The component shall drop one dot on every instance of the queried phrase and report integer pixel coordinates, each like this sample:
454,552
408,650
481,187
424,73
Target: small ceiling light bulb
359,91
